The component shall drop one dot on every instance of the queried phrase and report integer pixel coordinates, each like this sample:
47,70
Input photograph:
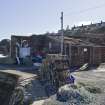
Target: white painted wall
24,51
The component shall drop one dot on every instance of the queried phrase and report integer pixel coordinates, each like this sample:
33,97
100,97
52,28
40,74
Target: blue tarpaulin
70,79
37,59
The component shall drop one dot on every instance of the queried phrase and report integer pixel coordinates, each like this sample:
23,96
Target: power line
88,9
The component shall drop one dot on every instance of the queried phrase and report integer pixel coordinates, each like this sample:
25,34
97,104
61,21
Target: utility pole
62,36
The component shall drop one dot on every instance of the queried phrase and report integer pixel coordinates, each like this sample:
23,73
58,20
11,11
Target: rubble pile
74,95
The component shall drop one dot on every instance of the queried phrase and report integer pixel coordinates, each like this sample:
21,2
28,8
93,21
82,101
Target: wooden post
70,54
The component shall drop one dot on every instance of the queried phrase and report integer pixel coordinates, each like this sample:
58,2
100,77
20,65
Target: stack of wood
55,69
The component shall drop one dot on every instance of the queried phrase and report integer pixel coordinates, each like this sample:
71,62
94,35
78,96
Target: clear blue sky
23,17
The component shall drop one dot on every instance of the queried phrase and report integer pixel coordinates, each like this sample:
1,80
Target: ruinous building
79,50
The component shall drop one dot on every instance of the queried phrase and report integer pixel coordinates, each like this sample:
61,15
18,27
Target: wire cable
88,9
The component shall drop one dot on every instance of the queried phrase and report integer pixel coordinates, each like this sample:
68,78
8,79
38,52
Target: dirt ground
94,78
37,90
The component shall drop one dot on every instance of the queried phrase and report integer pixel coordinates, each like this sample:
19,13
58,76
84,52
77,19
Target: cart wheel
17,96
